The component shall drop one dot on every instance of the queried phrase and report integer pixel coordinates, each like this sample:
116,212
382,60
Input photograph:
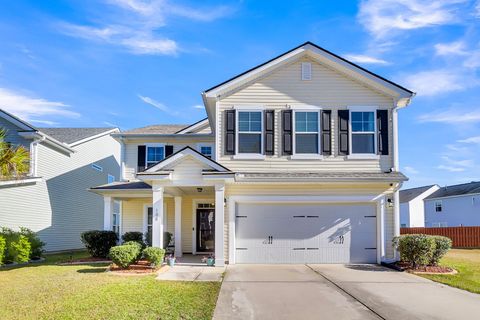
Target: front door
206,230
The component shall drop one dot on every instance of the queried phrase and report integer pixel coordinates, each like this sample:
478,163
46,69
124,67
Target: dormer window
250,132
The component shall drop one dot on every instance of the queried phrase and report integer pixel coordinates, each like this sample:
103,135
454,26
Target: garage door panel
305,233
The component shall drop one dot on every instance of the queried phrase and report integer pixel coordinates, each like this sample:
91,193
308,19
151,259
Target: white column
178,226
381,229
396,219
157,223
219,225
107,213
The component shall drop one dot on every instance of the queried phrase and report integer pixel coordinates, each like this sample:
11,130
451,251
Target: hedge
154,255
422,249
442,245
99,242
3,244
138,245
133,236
17,246
36,245
124,255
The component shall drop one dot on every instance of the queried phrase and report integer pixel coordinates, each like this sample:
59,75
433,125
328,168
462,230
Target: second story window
438,206
154,154
250,132
206,151
363,132
306,132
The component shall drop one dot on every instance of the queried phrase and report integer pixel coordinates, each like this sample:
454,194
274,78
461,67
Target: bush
442,245
139,246
167,237
154,255
133,236
99,242
36,245
2,248
416,249
124,255
17,246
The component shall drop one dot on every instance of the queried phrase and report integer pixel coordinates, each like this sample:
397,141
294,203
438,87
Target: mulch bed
404,266
141,267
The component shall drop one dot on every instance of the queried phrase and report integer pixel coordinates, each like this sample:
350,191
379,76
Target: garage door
305,233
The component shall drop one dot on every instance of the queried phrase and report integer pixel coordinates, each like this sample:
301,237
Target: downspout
34,156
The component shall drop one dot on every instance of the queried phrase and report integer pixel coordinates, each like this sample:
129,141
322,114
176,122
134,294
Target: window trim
300,156
373,155
119,218
237,132
145,218
97,167
440,206
211,145
111,176
153,145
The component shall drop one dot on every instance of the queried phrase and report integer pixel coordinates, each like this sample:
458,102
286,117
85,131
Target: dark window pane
149,216
249,143
363,143
306,143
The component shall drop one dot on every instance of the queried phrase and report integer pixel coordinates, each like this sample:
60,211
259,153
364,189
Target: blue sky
131,63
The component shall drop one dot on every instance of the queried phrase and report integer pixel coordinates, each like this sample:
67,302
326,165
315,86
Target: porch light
390,202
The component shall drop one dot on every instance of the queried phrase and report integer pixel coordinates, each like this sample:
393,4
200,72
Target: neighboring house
53,200
454,206
297,162
412,209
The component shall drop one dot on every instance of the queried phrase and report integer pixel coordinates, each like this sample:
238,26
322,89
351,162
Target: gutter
160,135
38,135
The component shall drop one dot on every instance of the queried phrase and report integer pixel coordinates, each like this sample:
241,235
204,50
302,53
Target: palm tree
14,161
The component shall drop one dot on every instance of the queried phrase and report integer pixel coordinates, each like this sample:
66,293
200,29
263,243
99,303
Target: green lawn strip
467,263
51,291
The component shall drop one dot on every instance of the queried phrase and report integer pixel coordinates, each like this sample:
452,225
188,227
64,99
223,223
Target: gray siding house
53,200
454,206
412,209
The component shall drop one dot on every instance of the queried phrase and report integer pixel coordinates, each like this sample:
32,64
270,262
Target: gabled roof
17,121
410,194
156,129
71,135
187,151
193,127
135,185
456,190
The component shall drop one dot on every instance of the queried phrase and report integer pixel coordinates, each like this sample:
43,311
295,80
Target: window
110,178
363,132
116,217
403,225
250,132
206,151
438,206
155,154
306,71
439,225
149,224
97,167
306,132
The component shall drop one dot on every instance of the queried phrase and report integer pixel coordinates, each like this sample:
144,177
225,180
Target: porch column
178,226
157,223
219,225
107,213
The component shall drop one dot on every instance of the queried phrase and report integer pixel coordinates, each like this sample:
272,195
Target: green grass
50,291
467,263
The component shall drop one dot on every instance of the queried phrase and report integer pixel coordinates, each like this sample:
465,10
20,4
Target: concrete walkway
192,273
337,292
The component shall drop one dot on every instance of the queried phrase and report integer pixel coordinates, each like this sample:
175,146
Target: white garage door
305,233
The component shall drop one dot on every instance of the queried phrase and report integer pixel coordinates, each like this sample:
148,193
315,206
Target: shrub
99,242
154,255
124,255
36,245
167,237
139,246
442,245
2,248
17,246
133,236
416,249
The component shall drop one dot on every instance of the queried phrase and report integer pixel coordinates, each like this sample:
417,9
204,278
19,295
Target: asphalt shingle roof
71,135
157,129
124,186
328,175
456,190
410,194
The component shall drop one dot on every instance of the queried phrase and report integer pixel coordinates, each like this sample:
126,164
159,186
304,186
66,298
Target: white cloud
451,116
360,58
110,124
429,83
473,140
452,48
137,27
30,109
157,105
44,122
410,170
450,168
198,106
468,163
382,17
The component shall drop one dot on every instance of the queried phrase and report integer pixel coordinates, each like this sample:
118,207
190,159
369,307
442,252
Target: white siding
456,211
60,207
328,89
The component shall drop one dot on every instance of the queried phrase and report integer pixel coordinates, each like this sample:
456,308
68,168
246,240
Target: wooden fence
462,237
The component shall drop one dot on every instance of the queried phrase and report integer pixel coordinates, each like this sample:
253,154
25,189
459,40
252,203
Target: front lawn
51,291
467,263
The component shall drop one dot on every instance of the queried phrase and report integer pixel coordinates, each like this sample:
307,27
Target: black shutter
382,131
269,131
343,119
326,117
141,157
287,132
168,151
230,132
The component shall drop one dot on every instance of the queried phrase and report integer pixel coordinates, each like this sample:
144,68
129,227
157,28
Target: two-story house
53,199
297,162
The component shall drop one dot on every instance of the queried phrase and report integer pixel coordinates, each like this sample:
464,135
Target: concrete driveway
337,292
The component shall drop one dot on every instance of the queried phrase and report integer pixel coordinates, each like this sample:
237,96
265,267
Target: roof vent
306,71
